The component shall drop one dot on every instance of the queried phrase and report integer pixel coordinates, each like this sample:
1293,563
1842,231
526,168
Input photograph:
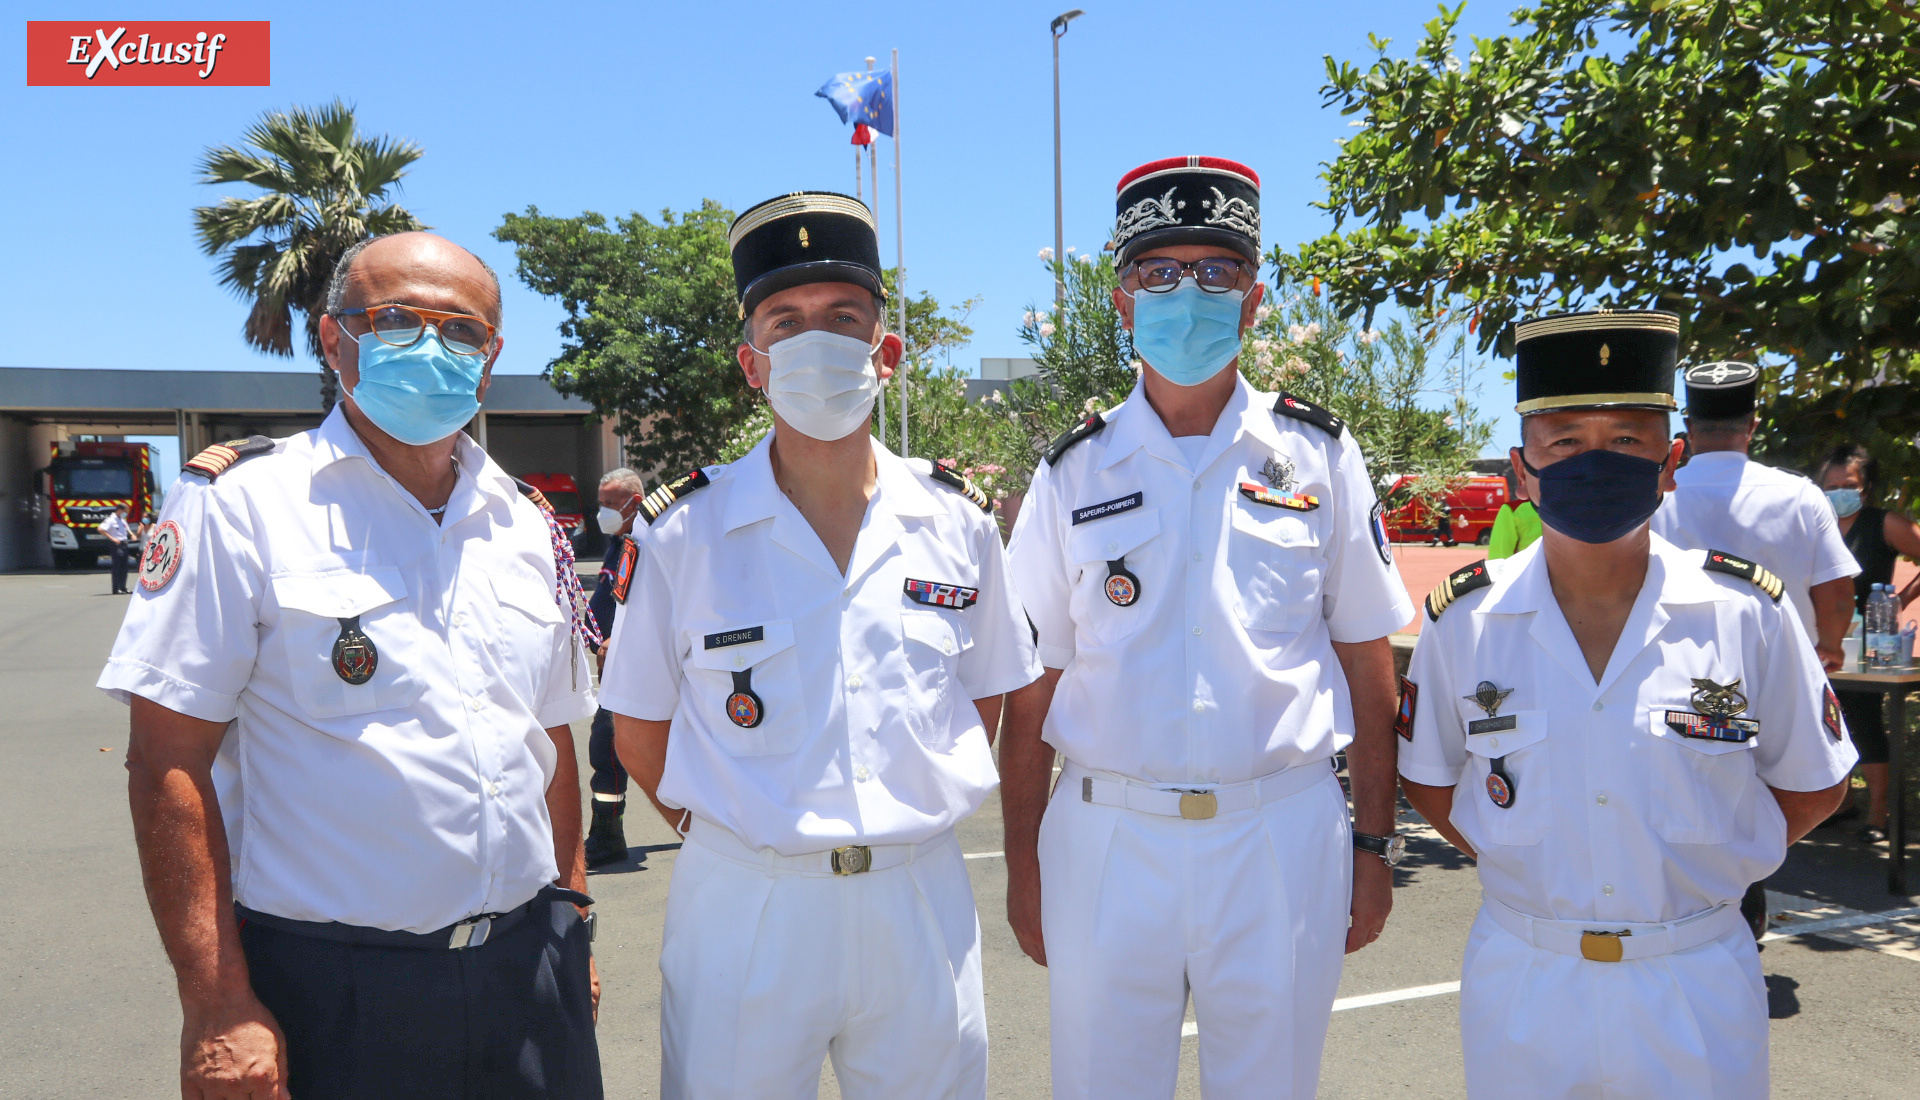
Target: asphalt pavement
87,1004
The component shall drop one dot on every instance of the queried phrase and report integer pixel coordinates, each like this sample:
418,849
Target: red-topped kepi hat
1187,200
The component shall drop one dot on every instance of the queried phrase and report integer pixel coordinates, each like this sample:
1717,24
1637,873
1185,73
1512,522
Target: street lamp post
1059,27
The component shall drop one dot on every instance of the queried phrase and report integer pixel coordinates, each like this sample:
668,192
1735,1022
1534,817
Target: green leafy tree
651,328
1751,164
1083,354
323,187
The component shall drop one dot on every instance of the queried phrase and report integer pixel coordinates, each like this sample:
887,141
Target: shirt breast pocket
527,621
1107,604
731,685
1521,753
1696,785
935,642
312,606
1276,567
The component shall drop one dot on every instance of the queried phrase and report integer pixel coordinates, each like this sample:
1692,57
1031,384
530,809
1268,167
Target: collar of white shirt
754,496
335,442
1713,467
1674,578
1136,426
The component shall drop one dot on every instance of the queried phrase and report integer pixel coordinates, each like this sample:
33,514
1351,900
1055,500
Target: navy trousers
608,776
511,1019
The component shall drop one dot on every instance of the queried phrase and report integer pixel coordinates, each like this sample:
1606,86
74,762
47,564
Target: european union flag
862,97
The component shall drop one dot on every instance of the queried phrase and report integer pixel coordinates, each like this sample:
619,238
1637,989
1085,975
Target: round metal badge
1122,587
1499,791
743,709
161,559
355,658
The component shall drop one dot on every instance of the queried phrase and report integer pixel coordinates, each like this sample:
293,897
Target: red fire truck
1473,504
83,483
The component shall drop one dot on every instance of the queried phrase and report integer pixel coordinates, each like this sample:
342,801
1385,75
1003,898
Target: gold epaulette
1458,583
961,483
1719,561
658,501
215,460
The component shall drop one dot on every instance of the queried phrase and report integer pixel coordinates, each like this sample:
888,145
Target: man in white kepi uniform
806,678
1212,595
1623,734
1725,501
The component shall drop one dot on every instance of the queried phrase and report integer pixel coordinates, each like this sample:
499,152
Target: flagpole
873,162
900,247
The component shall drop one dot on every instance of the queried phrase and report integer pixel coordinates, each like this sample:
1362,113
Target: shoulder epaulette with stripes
1458,583
1084,430
1719,561
539,498
1299,408
961,483
213,461
658,501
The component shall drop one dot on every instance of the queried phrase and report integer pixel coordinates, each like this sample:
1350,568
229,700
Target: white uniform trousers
1246,910
1536,1024
767,970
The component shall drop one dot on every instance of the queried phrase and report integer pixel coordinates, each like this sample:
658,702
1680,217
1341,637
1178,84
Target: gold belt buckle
1603,947
1198,805
855,859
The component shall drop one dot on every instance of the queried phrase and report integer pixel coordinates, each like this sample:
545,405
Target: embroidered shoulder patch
1080,432
1299,408
1458,583
1830,715
961,483
658,501
1719,561
623,569
161,559
1409,703
215,460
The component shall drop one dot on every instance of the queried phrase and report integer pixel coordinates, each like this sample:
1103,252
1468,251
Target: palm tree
325,187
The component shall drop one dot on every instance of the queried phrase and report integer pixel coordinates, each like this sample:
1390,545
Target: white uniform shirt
411,801
1615,816
1223,669
1724,501
115,527
868,733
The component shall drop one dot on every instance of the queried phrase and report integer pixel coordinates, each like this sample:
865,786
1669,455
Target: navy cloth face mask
1597,496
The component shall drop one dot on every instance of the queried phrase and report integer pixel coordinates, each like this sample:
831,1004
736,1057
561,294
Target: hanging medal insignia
1488,696
1830,715
161,560
1259,494
1122,588
1409,704
744,708
1278,472
1716,705
354,655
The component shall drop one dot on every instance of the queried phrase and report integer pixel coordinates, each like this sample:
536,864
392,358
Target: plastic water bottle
1875,630
1882,632
1903,657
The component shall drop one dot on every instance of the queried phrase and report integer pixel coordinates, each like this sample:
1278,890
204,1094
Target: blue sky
644,106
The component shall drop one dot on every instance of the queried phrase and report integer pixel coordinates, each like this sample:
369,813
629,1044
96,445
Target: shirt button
477,703
947,646
861,773
853,683
1601,798
493,789
1112,546
1493,742
1196,555
1196,631
1607,890
739,661
1598,707
459,618
1198,706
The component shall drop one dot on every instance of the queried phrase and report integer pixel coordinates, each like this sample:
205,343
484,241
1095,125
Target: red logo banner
150,54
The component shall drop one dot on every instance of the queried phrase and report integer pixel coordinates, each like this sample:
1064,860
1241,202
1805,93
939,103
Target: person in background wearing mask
620,492
1212,593
352,665
1877,537
806,681
1623,734
116,531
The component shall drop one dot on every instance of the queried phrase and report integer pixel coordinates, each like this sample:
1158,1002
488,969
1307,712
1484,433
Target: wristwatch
1391,849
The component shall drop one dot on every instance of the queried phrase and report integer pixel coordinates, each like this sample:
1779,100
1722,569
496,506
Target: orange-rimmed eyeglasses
402,326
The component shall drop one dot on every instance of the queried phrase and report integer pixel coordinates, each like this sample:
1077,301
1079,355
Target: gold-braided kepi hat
1608,358
803,237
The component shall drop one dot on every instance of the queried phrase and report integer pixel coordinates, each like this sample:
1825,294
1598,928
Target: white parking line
1190,1029
1855,920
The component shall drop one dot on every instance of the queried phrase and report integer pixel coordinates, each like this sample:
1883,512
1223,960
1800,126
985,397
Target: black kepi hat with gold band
803,237
1608,358
1722,391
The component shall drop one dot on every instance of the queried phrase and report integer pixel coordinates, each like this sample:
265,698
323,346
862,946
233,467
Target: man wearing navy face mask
352,665
1212,597
1623,734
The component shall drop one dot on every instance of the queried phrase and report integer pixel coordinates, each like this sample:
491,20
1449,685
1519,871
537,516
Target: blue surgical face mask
418,394
1187,334
1597,496
1845,501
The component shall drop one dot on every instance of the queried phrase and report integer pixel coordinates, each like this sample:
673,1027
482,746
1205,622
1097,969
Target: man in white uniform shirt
1623,734
1724,501
1212,595
352,665
806,679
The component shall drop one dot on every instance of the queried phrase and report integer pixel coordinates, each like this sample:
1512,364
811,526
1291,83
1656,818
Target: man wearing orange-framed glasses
353,661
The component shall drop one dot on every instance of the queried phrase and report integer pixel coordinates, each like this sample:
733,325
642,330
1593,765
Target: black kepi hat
803,237
1722,391
1608,358
1187,200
